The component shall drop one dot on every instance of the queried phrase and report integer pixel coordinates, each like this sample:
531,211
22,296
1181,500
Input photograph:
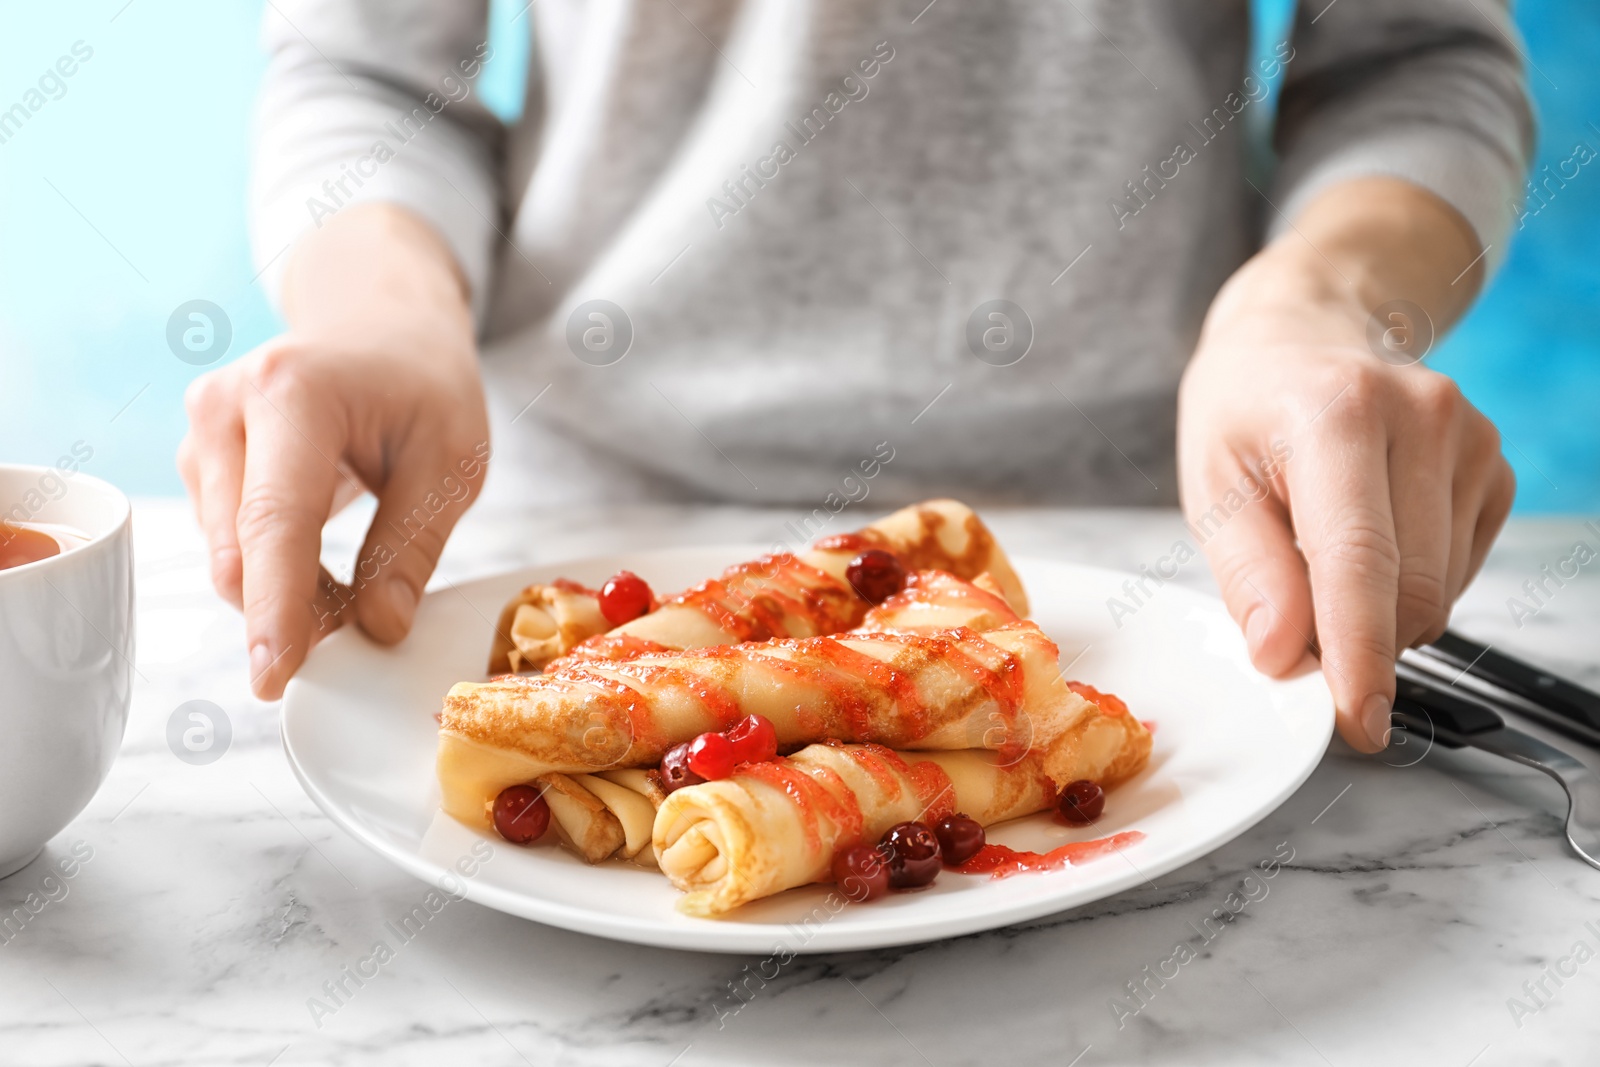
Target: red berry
862,873
711,756
876,575
1081,802
960,838
675,772
521,814
914,858
625,597
754,739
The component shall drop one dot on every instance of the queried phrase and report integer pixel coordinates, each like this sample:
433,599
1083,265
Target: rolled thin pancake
773,826
938,600
930,600
943,690
935,535
773,596
605,815
778,595
1107,747
542,622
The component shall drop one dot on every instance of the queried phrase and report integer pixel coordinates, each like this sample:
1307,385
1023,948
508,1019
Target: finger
1491,517
1420,488
215,452
418,507
189,472
329,609
347,490
285,499
1467,499
1339,493
1263,580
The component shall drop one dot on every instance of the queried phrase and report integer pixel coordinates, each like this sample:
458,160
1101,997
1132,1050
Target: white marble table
216,900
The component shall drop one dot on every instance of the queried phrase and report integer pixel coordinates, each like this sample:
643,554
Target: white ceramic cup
66,656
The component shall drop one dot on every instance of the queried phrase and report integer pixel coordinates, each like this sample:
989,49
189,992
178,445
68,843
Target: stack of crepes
943,698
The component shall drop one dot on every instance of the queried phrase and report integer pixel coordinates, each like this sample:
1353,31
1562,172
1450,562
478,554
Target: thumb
417,510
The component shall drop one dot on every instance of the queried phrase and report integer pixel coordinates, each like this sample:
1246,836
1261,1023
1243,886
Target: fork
1422,705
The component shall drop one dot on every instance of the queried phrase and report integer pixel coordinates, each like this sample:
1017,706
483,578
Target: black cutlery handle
1445,705
1413,718
1524,679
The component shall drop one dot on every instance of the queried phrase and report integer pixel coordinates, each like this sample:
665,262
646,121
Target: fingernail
1256,625
1375,719
403,599
260,662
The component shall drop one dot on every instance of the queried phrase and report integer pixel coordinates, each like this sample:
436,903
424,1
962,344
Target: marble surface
209,904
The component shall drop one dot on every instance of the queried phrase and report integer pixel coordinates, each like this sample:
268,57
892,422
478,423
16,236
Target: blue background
125,198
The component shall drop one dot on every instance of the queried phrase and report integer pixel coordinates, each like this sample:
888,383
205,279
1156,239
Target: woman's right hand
375,387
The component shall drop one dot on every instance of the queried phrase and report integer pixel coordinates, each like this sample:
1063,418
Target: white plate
1230,746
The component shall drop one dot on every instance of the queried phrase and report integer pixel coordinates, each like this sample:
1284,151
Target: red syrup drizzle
638,688
1005,685
932,785
758,600
942,589
715,697
846,675
813,799
1002,862
847,678
712,598
606,648
882,765
934,790
860,667
844,696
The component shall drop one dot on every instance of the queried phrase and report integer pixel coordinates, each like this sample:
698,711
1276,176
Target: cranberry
521,814
675,772
876,575
625,597
862,873
754,739
711,756
1081,802
914,858
960,838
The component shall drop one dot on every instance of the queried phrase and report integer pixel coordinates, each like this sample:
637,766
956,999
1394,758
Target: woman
734,249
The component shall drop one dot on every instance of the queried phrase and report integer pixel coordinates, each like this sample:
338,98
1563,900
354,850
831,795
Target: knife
1431,709
1545,697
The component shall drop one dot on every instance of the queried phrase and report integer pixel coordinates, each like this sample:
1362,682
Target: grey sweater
753,249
